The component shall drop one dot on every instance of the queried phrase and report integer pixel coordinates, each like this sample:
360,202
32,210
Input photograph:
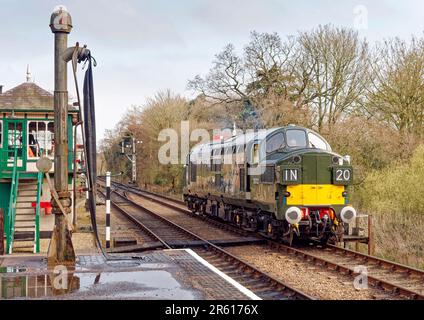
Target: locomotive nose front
316,187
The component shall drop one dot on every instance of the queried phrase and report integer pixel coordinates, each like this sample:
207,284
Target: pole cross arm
82,53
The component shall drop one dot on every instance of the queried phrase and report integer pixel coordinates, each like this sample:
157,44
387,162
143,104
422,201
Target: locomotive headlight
293,215
297,159
335,160
348,214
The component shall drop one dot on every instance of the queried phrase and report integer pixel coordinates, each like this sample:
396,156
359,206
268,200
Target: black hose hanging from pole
90,141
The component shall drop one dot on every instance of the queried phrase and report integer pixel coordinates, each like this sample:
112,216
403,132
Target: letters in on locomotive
286,183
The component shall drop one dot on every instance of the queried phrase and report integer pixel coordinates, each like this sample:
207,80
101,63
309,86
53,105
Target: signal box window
14,139
40,139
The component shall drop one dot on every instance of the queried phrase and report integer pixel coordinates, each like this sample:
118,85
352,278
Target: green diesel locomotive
285,183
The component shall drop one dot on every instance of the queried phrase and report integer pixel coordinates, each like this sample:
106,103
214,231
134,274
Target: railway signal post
61,249
130,142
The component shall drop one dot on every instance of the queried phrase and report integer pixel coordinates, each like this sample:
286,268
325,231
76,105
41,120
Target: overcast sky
143,46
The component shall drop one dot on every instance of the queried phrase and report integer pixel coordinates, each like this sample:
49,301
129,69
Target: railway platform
166,274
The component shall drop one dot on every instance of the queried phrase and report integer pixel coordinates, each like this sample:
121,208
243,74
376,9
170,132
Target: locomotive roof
248,139
242,139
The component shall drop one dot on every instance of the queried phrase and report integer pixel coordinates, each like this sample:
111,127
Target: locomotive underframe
250,216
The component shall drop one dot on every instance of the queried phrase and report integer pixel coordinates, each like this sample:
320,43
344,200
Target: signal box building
26,134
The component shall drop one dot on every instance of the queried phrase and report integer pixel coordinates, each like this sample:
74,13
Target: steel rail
375,281
183,210
273,284
137,222
396,289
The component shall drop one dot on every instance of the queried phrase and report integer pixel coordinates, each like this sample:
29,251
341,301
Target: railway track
392,278
172,236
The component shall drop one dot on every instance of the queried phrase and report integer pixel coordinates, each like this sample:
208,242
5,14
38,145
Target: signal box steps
25,216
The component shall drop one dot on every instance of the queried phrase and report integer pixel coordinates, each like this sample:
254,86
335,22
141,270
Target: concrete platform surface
168,274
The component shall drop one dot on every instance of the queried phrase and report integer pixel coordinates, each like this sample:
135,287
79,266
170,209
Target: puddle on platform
144,284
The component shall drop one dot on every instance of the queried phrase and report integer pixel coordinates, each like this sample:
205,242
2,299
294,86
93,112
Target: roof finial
28,74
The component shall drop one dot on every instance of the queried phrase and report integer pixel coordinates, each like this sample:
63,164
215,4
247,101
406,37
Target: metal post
107,210
61,249
370,237
357,231
134,162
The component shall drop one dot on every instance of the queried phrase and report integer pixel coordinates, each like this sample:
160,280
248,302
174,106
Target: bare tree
225,82
396,94
268,62
330,69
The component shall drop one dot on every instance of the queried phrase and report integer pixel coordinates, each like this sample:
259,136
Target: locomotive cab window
296,138
275,143
316,142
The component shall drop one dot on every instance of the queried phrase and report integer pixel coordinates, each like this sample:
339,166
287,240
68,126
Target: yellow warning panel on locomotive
315,195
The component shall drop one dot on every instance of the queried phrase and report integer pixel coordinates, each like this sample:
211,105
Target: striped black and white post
107,210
